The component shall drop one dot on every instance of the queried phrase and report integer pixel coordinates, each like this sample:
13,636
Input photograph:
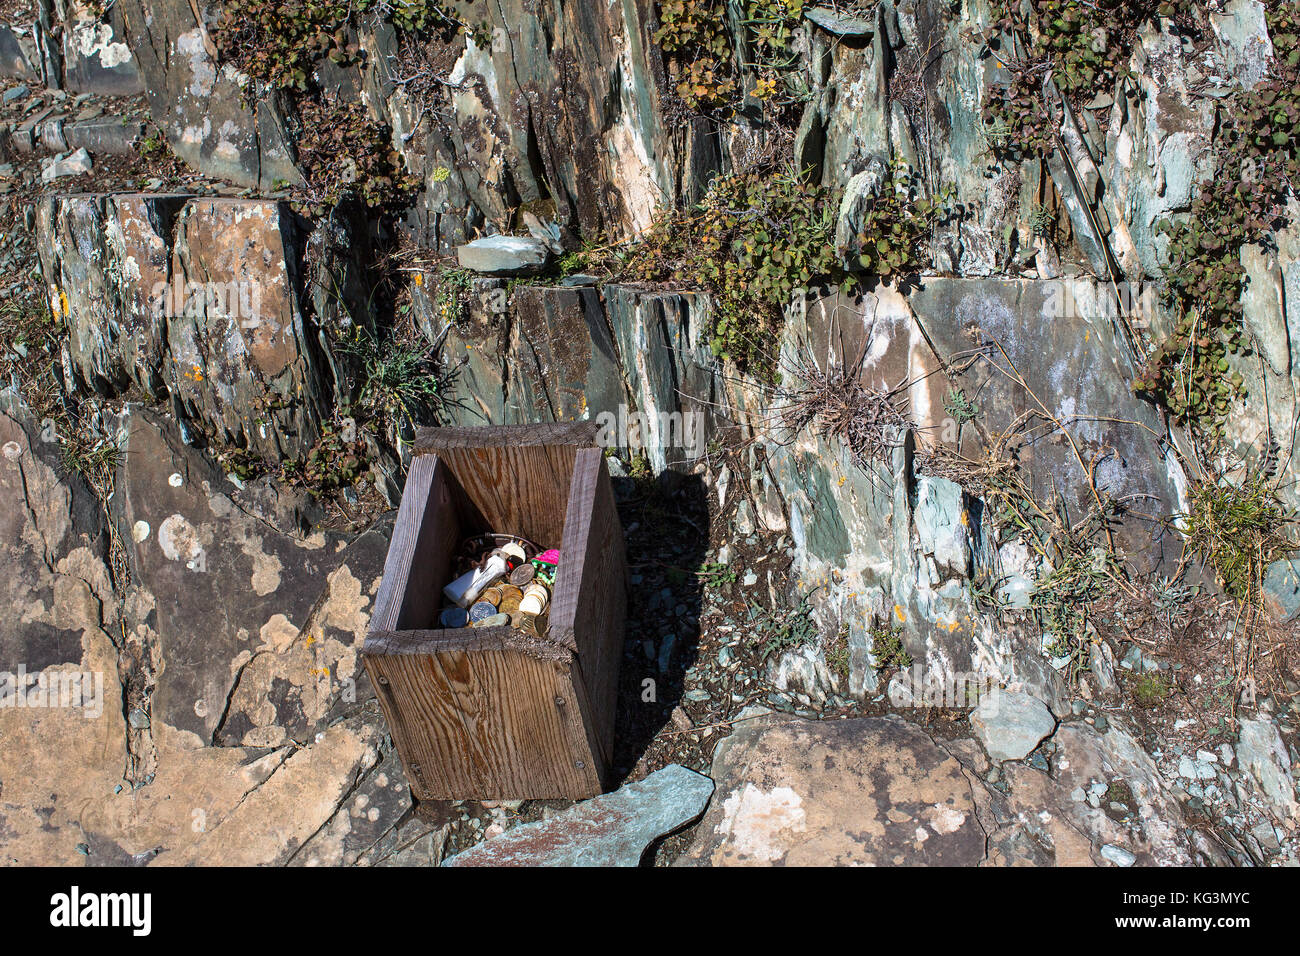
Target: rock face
880,791
96,55
1046,819
610,830
241,359
197,102
103,257
55,542
1011,724
868,791
324,788
1262,752
196,299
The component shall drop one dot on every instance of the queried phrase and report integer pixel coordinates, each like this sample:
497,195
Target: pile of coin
500,580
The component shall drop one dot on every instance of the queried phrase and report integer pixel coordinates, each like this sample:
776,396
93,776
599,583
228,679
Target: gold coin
510,598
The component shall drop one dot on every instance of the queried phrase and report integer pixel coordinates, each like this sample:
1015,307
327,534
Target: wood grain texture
490,721
591,592
436,440
426,533
519,489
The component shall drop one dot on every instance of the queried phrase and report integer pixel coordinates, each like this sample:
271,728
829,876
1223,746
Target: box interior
518,491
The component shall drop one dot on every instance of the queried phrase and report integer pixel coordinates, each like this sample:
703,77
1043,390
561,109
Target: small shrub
754,240
896,224
1238,530
887,648
1256,168
345,154
785,629
334,462
278,41
960,408
396,381
1149,691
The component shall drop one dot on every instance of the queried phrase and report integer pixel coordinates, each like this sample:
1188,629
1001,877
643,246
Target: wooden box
494,713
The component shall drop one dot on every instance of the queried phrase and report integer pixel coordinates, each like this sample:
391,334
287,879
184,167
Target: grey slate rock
841,24
1261,752
610,830
74,164
1011,724
503,255
1118,855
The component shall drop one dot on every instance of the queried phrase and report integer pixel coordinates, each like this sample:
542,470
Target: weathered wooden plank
491,722
434,440
591,591
520,489
425,535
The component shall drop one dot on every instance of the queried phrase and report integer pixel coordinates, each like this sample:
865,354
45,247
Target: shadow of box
493,713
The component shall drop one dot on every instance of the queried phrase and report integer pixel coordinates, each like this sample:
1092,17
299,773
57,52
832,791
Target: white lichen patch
758,822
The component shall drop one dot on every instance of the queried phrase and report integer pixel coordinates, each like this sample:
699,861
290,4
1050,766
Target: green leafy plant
887,648
751,243
1257,165
1238,530
279,41
694,34
1083,45
838,658
1062,598
397,381
345,154
333,463
896,223
716,572
960,408
1149,690
785,629
452,295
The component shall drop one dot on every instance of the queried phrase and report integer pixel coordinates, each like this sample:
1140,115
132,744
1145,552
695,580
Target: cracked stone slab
1011,724
864,791
609,830
286,612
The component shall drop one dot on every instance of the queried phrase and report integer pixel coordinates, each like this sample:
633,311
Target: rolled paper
456,590
496,567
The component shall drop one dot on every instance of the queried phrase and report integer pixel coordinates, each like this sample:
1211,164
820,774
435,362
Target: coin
522,575
453,617
510,598
492,595
535,599
481,610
